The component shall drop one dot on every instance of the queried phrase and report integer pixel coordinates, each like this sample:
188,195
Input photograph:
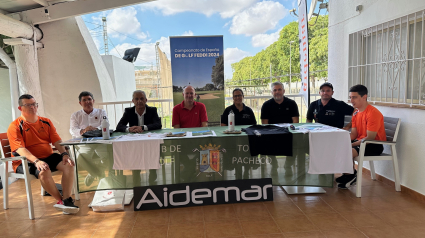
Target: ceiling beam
42,2
72,9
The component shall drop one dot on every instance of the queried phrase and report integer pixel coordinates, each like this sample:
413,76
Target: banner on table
303,40
198,61
204,193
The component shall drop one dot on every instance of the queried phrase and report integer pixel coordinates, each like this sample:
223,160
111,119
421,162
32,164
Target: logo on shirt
245,116
330,113
210,159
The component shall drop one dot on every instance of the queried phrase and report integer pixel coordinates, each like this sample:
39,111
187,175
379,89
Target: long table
180,162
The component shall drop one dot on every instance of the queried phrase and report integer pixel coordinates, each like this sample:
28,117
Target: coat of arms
210,157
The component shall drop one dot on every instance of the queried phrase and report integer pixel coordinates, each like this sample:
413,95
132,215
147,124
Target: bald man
189,113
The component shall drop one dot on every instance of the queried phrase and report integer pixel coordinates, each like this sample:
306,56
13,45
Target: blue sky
247,26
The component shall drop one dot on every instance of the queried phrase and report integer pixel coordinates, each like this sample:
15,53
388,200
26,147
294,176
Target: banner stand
302,190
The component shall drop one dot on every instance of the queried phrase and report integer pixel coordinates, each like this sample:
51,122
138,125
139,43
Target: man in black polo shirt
328,110
279,109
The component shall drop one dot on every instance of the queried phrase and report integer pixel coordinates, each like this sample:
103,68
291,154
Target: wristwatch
63,154
35,161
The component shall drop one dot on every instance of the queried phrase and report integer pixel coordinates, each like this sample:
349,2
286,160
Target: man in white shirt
82,121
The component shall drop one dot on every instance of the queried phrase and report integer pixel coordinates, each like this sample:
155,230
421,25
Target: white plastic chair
6,154
392,126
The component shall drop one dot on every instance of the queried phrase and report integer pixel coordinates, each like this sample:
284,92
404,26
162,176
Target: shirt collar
194,104
234,108
91,113
135,111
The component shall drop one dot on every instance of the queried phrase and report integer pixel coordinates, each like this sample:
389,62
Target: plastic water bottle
231,119
105,128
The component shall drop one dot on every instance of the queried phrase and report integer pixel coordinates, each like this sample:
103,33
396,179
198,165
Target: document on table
206,133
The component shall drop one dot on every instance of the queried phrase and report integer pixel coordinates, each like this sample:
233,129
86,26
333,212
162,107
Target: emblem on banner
210,157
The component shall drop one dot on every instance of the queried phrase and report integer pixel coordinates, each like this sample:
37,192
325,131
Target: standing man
279,109
30,135
82,121
368,124
141,117
189,113
328,110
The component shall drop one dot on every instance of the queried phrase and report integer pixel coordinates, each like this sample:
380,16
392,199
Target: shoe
89,180
351,180
66,206
345,177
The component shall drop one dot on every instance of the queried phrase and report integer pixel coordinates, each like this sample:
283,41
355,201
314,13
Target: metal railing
115,110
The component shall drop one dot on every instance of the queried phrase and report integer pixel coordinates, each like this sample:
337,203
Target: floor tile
267,236
157,217
260,227
309,234
15,228
311,207
186,231
152,231
110,232
365,219
329,221
346,233
295,224
223,229
219,212
382,232
400,218
277,209
76,233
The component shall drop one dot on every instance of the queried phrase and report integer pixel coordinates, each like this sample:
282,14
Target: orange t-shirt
370,119
35,137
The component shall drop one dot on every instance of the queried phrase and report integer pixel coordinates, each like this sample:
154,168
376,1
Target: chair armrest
14,158
378,142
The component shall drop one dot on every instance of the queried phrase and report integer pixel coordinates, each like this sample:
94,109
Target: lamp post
290,65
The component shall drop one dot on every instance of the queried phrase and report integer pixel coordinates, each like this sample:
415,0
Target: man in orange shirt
30,136
367,124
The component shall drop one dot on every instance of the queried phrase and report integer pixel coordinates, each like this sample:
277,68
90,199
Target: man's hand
89,128
67,159
42,166
135,129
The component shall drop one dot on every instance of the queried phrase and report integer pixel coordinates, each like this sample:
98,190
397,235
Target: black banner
204,193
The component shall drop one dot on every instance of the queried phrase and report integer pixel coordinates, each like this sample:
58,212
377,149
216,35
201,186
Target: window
389,59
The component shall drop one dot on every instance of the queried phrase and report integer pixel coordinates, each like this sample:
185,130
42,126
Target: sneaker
66,206
88,180
345,177
351,180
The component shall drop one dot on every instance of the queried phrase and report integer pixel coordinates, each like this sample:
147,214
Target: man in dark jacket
141,117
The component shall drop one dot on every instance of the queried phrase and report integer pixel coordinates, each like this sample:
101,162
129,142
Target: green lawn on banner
215,106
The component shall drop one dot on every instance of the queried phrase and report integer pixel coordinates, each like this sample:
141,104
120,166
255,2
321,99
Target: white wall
122,76
70,63
344,20
5,102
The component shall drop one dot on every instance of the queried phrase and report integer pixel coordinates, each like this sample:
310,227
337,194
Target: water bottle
105,128
231,119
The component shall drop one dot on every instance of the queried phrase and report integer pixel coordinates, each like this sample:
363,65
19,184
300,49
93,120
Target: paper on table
197,133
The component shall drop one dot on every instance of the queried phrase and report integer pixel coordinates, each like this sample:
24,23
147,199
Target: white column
28,73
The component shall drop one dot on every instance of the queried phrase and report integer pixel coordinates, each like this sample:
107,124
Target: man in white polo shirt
82,121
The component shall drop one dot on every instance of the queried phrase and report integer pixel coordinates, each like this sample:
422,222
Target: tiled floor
381,212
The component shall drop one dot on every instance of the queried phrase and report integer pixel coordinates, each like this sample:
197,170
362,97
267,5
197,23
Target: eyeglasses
237,96
31,105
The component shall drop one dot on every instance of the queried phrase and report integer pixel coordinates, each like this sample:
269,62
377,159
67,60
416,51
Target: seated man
141,117
189,113
30,136
328,110
279,109
89,119
367,124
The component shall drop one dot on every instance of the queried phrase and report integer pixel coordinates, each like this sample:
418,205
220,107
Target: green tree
280,52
